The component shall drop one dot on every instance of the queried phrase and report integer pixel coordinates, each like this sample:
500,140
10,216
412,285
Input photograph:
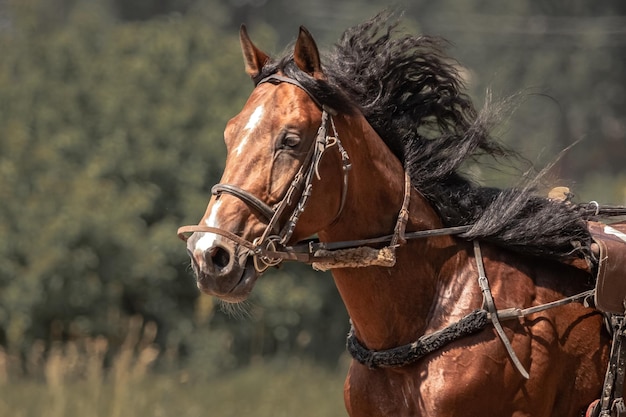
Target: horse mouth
234,289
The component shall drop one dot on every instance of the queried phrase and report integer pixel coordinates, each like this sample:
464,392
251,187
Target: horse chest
441,386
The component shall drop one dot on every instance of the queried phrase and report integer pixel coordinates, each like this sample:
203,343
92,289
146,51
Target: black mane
412,95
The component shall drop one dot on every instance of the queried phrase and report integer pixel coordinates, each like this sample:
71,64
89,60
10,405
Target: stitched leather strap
490,306
241,194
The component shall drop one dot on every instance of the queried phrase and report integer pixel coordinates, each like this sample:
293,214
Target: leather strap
611,401
490,306
184,230
277,79
253,201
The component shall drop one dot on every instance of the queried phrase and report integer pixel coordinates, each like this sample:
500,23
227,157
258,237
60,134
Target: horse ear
306,54
253,58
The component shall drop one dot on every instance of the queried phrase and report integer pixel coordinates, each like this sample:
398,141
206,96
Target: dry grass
72,380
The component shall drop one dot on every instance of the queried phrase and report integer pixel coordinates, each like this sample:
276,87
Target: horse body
433,283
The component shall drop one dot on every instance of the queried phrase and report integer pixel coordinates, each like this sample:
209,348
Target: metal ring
261,262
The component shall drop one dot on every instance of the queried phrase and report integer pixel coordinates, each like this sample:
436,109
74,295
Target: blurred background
111,121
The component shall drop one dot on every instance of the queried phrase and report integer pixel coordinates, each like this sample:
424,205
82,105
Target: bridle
265,249
271,248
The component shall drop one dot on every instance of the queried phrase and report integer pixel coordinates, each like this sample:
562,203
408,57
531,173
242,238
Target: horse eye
290,141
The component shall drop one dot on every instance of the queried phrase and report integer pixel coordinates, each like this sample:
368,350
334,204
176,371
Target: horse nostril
216,261
220,258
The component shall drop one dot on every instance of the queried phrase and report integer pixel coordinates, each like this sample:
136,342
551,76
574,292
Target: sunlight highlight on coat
255,118
433,386
207,241
615,232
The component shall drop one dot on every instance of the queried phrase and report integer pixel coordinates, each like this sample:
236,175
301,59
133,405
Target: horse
362,148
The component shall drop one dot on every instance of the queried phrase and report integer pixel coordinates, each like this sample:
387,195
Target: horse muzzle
224,270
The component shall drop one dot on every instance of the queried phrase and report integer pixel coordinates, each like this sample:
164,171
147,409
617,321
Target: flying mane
412,95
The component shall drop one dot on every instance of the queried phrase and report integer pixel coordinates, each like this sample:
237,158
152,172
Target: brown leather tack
611,282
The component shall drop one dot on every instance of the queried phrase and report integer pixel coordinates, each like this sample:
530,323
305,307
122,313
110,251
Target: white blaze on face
255,118
207,240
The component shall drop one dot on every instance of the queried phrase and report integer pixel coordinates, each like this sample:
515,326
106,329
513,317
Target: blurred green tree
567,63
111,136
82,165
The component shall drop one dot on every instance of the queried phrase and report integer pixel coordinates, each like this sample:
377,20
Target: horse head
279,184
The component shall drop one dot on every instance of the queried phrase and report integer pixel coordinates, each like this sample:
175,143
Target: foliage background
111,119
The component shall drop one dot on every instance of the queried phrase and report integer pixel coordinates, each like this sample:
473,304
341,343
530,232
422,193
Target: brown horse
323,149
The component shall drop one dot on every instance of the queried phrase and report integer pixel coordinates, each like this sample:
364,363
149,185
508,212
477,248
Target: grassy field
71,380
259,391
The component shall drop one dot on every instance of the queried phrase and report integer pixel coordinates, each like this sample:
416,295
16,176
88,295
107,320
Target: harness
272,247
470,324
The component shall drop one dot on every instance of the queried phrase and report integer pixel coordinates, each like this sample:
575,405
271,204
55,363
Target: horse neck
387,306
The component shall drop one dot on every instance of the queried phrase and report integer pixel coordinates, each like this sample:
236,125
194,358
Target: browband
276,79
